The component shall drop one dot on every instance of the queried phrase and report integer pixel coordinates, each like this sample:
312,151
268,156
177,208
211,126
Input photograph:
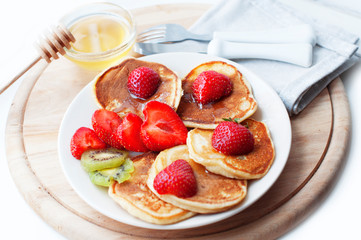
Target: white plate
271,111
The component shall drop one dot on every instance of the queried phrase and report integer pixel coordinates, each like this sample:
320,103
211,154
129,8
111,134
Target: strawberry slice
84,139
177,179
105,124
129,133
162,127
211,86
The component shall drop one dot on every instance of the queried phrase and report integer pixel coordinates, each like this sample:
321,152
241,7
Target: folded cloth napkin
297,86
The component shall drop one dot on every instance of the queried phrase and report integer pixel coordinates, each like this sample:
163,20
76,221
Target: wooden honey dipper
48,47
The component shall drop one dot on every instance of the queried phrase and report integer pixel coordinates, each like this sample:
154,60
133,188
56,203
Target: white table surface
21,23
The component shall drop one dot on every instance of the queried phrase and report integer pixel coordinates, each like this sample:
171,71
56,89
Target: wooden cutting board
320,136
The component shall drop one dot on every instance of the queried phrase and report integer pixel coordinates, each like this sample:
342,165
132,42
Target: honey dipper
48,47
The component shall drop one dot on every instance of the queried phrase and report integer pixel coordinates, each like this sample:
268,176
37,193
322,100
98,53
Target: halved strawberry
129,133
84,139
105,124
162,127
210,86
177,179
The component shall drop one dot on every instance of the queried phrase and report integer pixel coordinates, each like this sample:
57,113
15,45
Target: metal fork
170,33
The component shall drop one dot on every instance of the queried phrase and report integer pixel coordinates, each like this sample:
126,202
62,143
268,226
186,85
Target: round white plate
271,111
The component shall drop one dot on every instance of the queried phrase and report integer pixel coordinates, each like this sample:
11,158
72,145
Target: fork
170,33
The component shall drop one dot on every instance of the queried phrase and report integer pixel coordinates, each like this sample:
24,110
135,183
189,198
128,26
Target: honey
98,34
104,34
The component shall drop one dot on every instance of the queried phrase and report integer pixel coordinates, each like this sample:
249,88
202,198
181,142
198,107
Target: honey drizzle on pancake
112,92
239,104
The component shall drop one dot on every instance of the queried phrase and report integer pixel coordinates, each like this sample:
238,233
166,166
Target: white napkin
297,86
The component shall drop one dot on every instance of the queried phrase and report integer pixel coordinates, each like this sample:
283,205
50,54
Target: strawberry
177,179
143,82
84,139
231,138
105,124
129,133
162,127
211,86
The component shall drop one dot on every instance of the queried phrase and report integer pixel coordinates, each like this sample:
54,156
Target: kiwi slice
106,176
100,159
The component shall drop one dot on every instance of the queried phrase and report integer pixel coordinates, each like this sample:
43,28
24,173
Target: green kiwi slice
106,176
100,159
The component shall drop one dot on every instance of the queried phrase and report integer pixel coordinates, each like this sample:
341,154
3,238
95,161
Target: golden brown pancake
111,91
239,104
215,193
136,198
250,166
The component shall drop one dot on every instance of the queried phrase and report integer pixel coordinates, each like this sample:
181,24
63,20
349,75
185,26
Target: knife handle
302,33
295,53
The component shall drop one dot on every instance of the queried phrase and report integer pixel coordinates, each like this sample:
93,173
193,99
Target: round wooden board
44,96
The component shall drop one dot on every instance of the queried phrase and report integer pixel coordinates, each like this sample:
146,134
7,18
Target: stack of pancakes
221,180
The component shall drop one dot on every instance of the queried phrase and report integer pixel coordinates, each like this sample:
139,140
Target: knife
294,53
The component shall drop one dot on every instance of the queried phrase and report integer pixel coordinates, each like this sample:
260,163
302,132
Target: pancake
136,198
239,104
111,91
215,193
253,165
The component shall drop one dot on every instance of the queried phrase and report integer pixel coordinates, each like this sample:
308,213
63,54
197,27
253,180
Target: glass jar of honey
104,33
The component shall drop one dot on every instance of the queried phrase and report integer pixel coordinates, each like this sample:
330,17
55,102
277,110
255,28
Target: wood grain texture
40,104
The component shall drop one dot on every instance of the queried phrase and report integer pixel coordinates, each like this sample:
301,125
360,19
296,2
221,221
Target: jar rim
106,9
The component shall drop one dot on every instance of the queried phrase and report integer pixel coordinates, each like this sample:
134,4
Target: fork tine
169,33
150,38
151,33
155,28
156,32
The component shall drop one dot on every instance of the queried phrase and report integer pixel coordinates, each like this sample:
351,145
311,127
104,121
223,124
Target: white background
23,21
